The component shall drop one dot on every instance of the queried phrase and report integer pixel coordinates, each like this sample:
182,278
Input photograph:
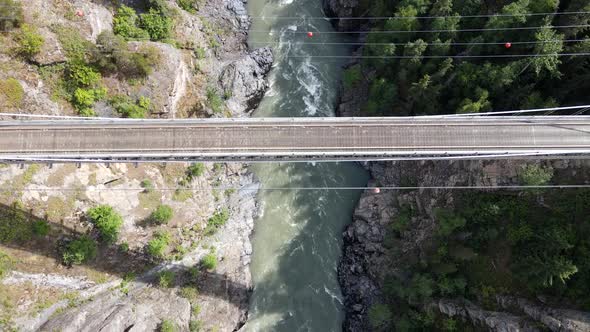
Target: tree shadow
16,232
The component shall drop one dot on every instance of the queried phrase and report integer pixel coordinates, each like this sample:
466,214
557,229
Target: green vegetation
209,261
190,293
216,221
162,214
155,24
166,278
429,81
157,246
352,76
29,41
121,60
535,175
15,225
167,326
147,185
191,6
195,326
79,251
11,93
41,228
11,15
214,101
131,109
107,221
379,316
6,264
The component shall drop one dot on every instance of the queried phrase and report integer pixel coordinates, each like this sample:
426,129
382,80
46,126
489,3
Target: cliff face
120,290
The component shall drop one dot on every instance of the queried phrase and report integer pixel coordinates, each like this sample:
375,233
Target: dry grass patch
56,178
58,208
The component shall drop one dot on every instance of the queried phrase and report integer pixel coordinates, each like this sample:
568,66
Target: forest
466,56
455,56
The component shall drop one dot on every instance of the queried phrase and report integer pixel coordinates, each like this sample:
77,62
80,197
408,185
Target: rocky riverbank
209,64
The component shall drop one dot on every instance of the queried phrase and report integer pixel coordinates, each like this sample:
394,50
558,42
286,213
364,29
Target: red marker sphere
508,45
310,34
79,13
376,190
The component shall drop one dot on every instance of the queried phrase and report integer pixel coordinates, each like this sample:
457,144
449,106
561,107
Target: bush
11,93
131,109
107,221
352,76
76,47
379,316
216,221
167,326
214,100
82,75
190,293
209,262
29,41
195,326
188,5
156,24
40,228
125,24
158,245
535,175
162,214
79,251
131,64
147,185
6,264
166,279
195,170
11,15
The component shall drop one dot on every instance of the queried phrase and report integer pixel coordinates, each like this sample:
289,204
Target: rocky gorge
118,291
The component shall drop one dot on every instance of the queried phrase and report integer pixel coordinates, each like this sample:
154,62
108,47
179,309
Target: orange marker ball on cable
508,45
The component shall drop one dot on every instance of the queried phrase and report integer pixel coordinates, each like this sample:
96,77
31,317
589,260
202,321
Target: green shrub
209,261
448,222
76,47
82,75
131,109
121,60
195,170
200,52
162,214
379,316
29,41
147,185
167,326
166,278
535,175
216,221
14,225
189,292
352,76
124,247
156,24
107,221
195,326
6,264
214,100
11,93
11,15
79,251
125,24
190,6
40,228
158,245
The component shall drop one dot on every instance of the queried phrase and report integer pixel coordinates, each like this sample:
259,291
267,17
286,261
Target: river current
297,240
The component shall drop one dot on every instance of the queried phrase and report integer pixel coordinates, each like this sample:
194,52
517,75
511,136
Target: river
297,240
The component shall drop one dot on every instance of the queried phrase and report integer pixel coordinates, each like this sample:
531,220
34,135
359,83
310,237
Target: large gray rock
244,80
495,321
554,319
51,52
143,309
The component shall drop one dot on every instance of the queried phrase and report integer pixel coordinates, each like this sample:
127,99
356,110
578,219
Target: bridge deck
300,138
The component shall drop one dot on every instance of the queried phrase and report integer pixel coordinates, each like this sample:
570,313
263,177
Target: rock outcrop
244,80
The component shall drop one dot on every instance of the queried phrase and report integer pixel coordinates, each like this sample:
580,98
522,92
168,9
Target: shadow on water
16,232
301,291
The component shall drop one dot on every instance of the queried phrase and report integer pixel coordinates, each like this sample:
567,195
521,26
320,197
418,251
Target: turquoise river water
297,240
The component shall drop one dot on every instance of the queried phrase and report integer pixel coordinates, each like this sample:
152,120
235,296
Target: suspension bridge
294,139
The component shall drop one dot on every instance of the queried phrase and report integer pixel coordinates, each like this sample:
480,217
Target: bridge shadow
16,232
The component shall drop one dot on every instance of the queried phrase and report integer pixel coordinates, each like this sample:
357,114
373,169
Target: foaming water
297,239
